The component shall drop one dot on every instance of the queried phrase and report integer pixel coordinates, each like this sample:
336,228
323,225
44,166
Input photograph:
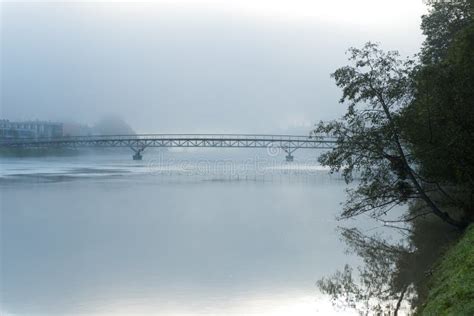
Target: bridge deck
138,143
176,140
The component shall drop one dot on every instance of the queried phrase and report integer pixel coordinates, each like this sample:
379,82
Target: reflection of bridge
138,143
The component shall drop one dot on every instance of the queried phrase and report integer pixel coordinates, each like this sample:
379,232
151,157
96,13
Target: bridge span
139,142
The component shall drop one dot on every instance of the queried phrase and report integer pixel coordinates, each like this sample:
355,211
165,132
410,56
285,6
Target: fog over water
185,231
102,234
190,66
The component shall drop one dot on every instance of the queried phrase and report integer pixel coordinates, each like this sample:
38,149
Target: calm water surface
104,235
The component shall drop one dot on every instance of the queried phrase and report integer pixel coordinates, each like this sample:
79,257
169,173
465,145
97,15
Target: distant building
30,129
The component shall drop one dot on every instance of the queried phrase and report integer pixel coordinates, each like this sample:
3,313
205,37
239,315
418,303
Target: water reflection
393,277
158,244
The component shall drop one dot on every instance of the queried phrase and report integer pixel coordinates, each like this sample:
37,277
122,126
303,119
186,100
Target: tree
409,136
439,123
378,86
440,26
112,125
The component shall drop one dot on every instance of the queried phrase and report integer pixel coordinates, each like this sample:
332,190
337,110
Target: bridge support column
137,156
289,154
138,153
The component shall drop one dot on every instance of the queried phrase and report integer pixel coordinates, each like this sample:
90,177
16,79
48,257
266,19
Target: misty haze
251,157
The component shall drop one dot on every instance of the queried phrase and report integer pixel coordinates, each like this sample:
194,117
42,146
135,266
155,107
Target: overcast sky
250,66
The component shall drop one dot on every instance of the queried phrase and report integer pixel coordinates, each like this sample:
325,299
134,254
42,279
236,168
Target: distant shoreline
37,152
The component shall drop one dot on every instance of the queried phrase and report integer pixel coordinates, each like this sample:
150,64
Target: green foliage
408,135
428,239
439,124
440,26
366,136
378,87
408,132
452,288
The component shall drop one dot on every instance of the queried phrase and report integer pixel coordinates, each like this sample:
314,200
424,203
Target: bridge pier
137,156
138,153
289,154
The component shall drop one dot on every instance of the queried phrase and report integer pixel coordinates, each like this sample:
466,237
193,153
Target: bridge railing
297,138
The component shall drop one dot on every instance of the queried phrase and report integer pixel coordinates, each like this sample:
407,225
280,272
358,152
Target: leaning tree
377,87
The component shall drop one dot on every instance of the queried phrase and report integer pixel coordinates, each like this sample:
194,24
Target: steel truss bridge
138,143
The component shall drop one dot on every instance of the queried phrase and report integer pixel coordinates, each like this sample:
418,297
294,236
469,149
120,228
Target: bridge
139,142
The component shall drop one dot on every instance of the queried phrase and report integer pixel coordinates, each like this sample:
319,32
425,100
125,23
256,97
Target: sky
184,66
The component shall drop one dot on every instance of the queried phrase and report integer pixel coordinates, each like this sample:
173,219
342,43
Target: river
174,234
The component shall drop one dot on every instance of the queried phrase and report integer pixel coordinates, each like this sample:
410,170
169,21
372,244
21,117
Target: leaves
371,143
440,26
376,87
439,123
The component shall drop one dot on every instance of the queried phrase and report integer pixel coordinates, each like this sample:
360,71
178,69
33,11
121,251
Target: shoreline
451,288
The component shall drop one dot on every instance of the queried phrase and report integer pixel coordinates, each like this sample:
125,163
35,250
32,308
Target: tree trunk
434,208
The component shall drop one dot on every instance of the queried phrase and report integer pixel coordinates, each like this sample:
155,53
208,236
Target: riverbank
37,152
451,290
61,152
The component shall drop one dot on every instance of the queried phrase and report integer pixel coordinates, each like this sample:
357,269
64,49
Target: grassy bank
452,285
